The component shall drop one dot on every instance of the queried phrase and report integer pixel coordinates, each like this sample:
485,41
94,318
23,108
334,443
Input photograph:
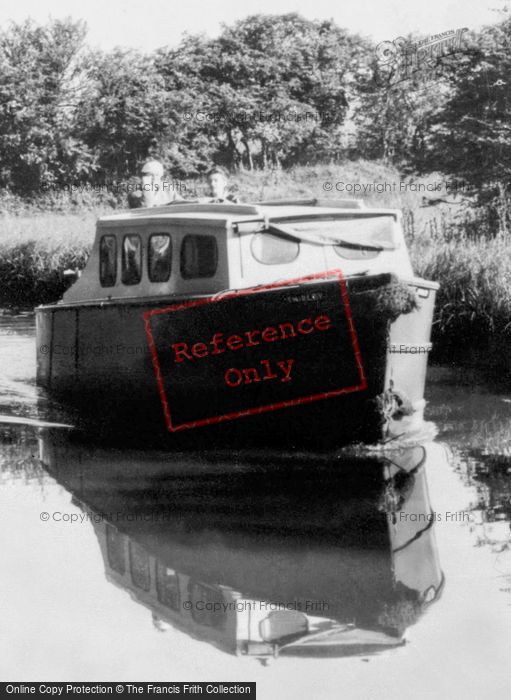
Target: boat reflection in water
262,555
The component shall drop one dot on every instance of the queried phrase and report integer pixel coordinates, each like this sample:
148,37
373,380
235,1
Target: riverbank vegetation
450,242
473,309
293,108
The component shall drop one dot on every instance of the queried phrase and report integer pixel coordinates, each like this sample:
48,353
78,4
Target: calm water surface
381,576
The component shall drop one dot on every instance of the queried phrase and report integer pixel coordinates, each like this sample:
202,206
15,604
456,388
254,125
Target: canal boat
295,321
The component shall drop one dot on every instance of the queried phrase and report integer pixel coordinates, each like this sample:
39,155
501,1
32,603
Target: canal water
382,575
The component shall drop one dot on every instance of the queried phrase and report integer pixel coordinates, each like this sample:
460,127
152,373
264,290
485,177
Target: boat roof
222,214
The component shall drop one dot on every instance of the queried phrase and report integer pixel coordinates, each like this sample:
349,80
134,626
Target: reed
474,300
34,252
31,273
453,244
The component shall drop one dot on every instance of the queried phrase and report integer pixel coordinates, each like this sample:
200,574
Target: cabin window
115,549
269,249
199,256
108,261
139,567
355,253
131,259
159,259
207,605
167,586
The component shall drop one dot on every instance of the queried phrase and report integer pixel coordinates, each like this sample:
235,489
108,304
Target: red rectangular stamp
255,350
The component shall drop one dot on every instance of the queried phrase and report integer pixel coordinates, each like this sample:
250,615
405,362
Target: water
384,576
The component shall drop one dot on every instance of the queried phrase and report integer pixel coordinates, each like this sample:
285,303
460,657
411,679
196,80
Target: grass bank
473,309
449,242
36,245
34,252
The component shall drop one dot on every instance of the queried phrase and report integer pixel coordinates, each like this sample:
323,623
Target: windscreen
373,232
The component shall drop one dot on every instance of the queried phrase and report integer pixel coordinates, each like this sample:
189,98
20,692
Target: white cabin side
202,250
175,257
266,257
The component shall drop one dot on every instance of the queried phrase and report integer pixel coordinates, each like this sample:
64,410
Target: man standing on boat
154,190
218,187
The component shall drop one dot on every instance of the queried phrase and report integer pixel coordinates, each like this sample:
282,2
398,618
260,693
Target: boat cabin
188,249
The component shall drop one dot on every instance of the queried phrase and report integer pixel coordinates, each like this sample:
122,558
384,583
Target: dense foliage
269,91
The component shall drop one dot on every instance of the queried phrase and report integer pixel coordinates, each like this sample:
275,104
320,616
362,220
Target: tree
270,89
395,106
124,109
196,138
39,80
471,133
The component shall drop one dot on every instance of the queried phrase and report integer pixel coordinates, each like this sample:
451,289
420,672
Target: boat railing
255,209
315,202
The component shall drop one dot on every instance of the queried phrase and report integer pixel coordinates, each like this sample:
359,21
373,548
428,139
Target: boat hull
98,358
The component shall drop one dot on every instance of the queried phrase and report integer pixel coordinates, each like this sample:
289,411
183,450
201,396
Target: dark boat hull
97,357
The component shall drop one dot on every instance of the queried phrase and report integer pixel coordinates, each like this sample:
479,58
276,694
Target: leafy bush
474,300
32,274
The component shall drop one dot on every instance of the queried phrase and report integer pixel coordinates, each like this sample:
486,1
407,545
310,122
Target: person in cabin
154,191
218,182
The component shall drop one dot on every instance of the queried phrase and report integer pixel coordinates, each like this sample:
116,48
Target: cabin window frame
207,617
123,260
113,259
289,239
170,255
161,589
115,549
187,276
137,575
